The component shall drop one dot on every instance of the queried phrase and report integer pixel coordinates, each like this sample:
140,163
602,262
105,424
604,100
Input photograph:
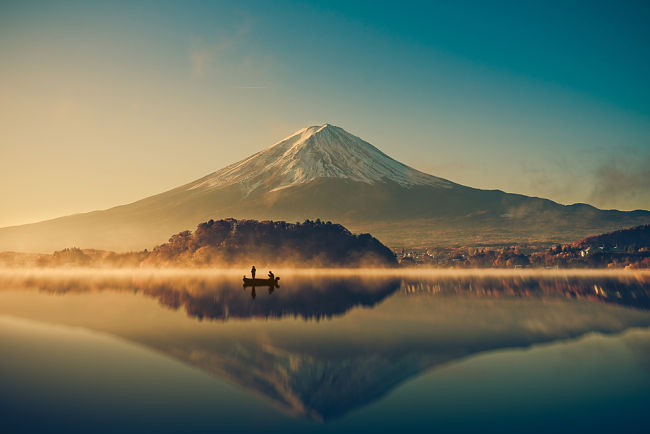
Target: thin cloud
201,60
623,183
204,57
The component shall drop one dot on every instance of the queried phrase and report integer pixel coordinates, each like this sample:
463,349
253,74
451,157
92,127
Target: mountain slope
324,172
630,239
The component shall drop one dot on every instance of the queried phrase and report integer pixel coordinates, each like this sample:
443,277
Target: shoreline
68,272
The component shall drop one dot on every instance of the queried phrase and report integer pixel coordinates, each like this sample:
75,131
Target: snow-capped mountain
323,151
325,172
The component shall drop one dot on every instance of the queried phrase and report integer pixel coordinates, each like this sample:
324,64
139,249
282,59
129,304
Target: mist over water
329,290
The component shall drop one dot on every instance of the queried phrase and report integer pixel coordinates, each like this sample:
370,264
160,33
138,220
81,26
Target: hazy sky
104,103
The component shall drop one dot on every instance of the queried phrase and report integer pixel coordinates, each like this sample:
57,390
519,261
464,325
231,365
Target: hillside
276,243
623,240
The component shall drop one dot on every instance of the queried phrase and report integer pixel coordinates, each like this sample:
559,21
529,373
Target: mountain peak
318,151
326,125
307,132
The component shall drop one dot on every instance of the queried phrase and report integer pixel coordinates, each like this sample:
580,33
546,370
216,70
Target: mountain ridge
325,172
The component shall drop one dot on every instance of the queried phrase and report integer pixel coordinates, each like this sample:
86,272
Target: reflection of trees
631,292
307,299
223,298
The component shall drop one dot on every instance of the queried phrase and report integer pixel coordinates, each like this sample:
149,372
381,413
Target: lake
360,350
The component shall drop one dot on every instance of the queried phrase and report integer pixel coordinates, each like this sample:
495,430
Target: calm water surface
132,352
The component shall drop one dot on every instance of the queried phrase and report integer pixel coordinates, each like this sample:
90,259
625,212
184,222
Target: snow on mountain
324,151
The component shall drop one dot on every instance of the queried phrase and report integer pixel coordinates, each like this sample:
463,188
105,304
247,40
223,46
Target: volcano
325,172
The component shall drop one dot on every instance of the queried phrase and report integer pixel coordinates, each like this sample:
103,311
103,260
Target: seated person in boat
271,275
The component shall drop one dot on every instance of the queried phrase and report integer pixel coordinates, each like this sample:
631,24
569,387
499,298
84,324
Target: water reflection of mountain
323,370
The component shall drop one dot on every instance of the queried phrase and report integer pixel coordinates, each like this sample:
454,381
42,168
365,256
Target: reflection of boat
260,282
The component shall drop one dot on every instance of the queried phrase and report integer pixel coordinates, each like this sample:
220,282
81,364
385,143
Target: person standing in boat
253,271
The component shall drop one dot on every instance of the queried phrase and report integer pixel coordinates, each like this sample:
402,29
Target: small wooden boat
260,282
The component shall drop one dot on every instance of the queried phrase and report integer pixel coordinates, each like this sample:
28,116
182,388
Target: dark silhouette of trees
310,243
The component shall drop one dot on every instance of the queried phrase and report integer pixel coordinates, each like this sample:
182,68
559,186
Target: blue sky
542,98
